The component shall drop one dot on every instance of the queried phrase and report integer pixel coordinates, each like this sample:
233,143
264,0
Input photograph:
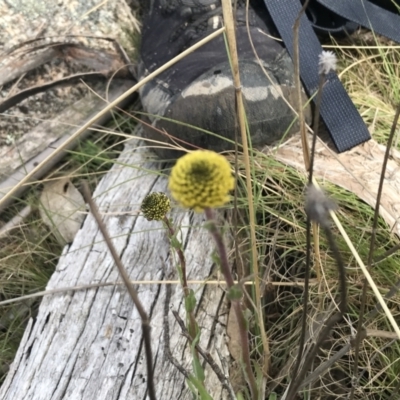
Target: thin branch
67,81
381,181
322,79
131,290
15,221
371,248
359,336
307,163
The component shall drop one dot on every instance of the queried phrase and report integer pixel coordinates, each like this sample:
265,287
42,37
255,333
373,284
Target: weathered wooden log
87,344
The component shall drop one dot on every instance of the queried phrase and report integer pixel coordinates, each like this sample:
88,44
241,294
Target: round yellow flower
201,179
155,206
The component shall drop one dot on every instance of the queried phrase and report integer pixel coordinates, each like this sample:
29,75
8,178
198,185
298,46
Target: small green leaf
239,396
209,225
247,314
192,388
197,368
190,302
235,293
200,388
175,243
179,269
215,258
259,377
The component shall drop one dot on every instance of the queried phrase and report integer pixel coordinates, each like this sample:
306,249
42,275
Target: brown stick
307,161
131,290
372,248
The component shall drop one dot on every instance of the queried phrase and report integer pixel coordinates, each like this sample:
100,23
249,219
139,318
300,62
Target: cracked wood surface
87,344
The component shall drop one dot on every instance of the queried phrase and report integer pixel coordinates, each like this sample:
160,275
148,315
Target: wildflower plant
155,206
202,180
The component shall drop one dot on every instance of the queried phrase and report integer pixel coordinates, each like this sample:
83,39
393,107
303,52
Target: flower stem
192,328
226,271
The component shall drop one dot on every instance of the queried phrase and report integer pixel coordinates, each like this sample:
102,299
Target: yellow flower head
155,206
201,179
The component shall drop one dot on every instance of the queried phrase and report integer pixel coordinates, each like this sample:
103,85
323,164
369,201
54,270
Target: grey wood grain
88,344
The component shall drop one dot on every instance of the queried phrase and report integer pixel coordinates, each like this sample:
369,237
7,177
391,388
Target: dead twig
372,247
131,290
380,188
69,80
306,156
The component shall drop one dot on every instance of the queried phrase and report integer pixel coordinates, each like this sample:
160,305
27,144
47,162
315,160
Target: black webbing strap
341,117
368,15
337,110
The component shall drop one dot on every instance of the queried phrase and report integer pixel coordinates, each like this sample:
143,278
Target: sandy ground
30,29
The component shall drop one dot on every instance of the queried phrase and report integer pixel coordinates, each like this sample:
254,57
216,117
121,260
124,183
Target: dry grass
370,72
29,253
282,237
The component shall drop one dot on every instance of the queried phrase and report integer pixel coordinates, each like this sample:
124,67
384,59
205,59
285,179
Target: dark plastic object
325,22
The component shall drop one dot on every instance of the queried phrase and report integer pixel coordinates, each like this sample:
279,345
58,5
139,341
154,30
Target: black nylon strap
341,117
368,15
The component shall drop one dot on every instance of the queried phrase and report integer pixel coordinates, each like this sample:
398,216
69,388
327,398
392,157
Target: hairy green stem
192,328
